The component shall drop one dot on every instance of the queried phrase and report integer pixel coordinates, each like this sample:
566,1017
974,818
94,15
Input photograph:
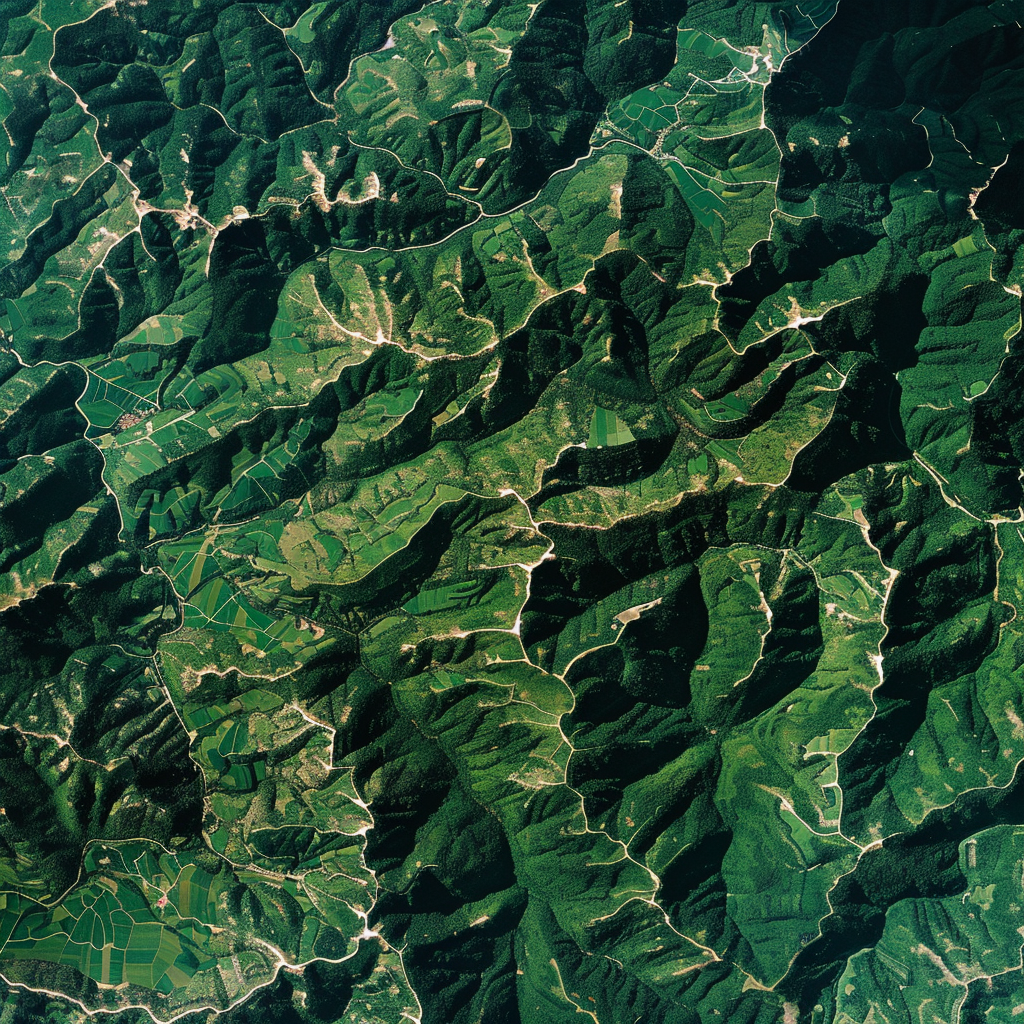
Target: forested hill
511,512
